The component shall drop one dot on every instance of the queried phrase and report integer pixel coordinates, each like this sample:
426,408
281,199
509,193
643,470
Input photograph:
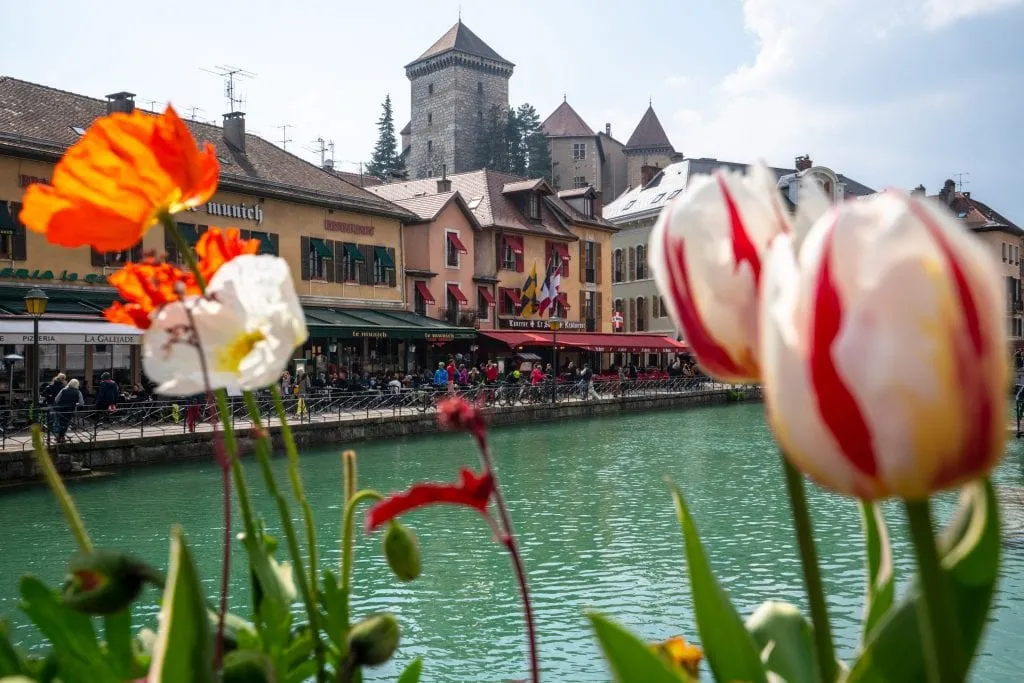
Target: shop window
115,359
74,365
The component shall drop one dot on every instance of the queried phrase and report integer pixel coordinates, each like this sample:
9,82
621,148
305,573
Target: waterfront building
454,84
635,295
1004,239
343,243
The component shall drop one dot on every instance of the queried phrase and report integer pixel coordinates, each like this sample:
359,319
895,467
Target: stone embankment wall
131,452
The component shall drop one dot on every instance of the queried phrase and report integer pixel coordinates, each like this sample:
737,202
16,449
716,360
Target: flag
529,295
552,281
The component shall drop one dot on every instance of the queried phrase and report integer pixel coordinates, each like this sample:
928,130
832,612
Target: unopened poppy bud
247,666
105,581
373,640
402,550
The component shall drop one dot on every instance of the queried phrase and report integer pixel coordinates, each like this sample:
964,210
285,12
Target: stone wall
111,455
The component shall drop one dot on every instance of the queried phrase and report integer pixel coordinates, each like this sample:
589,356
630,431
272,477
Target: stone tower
454,85
648,150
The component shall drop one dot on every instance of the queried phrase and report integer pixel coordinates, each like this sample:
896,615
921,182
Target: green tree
385,159
493,140
513,142
534,155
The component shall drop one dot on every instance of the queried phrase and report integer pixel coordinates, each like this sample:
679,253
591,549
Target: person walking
301,391
587,376
106,396
67,401
49,396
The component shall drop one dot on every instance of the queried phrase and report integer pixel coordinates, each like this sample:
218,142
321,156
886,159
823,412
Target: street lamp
554,322
11,359
35,306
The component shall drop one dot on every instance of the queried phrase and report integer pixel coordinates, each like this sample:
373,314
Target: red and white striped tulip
883,350
706,251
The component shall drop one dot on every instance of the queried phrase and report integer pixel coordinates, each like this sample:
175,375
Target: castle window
430,119
430,89
480,87
579,181
430,146
579,151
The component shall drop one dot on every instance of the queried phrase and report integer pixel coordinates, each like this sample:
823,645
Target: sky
893,93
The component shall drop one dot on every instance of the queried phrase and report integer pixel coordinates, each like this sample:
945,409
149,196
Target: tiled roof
460,39
482,190
980,216
357,179
648,134
565,122
576,192
524,185
427,207
39,121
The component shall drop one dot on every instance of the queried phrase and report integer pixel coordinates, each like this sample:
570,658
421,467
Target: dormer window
588,207
533,205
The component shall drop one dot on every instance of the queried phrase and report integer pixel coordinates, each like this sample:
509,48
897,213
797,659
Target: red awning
486,294
457,243
512,294
636,343
421,287
454,290
563,298
516,340
514,243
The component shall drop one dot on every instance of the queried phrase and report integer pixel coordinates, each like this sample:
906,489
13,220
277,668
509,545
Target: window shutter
391,271
274,243
136,252
304,257
598,313
98,258
329,267
597,263
519,257
583,261
583,305
631,265
655,307
339,261
171,247
245,234
632,313
366,267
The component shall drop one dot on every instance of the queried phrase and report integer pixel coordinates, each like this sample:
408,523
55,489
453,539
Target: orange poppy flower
116,181
216,247
146,287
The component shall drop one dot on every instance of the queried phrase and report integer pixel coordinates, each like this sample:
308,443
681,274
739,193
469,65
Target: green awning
188,233
353,252
321,247
356,323
384,257
266,246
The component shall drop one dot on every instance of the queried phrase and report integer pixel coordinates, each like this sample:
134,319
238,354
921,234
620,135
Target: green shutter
384,257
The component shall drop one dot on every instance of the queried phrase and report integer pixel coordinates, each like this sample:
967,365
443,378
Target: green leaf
881,583
118,629
731,651
11,662
273,587
412,672
300,649
786,640
303,672
182,653
630,658
969,548
336,607
76,648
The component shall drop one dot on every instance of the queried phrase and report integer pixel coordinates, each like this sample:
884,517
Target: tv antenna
320,148
152,104
330,146
193,112
960,182
284,135
231,76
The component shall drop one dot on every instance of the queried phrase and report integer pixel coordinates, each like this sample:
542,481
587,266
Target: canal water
589,501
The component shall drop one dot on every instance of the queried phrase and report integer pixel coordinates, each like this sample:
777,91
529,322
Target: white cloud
942,13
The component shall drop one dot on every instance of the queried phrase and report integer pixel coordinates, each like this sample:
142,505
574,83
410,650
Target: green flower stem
67,505
296,481
183,248
237,473
262,447
825,650
935,609
347,531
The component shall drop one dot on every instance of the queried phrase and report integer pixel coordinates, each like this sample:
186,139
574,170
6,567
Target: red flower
458,415
472,490
145,287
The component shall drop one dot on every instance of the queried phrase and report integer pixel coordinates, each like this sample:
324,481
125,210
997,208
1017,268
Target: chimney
608,129
647,173
918,191
948,192
234,130
803,163
443,184
123,102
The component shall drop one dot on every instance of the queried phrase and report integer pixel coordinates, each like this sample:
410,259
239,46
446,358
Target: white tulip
883,350
245,328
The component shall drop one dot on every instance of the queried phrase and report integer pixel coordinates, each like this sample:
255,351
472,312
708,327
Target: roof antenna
564,97
460,12
284,135
231,74
960,182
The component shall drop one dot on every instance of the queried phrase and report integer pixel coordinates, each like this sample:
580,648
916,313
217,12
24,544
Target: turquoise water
591,507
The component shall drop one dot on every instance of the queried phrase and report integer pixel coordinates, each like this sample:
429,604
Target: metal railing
156,418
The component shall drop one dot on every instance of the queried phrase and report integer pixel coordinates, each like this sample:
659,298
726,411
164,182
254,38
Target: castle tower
648,150
454,85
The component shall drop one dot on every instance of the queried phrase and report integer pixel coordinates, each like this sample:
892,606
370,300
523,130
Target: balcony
459,317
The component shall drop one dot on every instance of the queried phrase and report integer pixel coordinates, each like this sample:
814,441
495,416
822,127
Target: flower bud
105,581
247,666
402,550
373,640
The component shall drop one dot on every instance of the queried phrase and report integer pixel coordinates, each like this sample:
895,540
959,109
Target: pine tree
385,158
535,155
513,143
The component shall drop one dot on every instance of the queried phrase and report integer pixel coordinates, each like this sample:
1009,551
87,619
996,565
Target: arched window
617,265
641,314
641,262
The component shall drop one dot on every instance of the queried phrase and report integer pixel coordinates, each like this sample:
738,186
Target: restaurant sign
350,228
69,338
61,276
538,324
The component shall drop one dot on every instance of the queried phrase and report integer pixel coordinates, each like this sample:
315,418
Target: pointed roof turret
460,39
564,122
648,133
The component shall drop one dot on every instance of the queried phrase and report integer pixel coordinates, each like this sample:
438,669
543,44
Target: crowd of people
62,397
